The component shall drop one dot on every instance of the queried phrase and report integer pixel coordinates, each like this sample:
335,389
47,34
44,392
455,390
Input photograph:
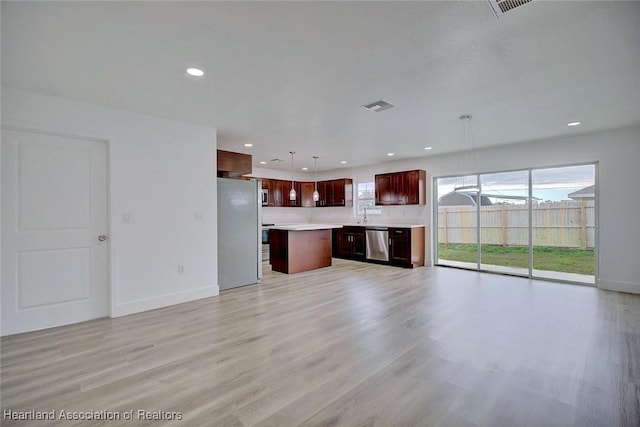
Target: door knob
102,237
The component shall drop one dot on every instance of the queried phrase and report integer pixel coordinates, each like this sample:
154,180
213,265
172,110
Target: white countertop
304,227
387,225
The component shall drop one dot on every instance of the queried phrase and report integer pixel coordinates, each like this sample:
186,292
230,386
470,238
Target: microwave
265,197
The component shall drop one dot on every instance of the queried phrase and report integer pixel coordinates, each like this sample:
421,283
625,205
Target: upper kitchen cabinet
296,186
277,192
335,192
342,192
323,189
401,188
305,196
233,165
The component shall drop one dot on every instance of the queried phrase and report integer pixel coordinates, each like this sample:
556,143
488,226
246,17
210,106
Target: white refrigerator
239,232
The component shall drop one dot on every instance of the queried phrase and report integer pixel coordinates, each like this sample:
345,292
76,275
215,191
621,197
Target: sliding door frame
530,170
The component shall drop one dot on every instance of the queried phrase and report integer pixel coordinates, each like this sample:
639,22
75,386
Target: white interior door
54,205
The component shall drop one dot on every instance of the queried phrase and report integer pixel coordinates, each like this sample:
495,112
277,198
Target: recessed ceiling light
344,162
263,163
574,124
248,145
428,148
391,154
304,169
196,72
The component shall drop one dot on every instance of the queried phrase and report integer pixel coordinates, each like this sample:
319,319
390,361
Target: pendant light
469,153
292,193
316,195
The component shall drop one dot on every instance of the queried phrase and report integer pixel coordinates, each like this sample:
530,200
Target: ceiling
293,75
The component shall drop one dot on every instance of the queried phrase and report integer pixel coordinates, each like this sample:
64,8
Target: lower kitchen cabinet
406,247
349,243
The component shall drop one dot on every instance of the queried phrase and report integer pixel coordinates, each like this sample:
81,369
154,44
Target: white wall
163,174
618,154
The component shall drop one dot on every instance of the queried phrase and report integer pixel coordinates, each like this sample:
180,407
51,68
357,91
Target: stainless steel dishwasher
377,243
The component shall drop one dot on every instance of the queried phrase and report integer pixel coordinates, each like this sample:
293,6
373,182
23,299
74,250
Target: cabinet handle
389,241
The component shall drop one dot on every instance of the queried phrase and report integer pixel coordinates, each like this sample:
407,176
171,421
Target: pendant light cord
292,153
315,164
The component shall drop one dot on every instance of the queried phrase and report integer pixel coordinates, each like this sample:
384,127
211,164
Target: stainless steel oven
265,242
265,236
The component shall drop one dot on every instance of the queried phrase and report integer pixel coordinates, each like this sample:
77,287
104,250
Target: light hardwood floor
350,345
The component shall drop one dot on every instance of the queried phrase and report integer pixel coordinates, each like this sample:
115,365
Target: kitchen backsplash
286,215
388,214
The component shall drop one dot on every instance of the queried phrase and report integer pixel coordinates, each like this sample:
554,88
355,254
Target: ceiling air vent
378,106
276,160
503,6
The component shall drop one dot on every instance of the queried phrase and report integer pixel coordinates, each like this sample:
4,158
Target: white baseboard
164,301
608,285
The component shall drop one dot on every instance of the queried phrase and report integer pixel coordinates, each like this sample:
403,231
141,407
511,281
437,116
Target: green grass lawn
568,260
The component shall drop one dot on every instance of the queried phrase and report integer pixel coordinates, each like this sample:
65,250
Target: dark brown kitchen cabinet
401,188
406,247
278,192
349,243
306,194
287,187
233,165
267,184
335,192
323,189
384,193
342,192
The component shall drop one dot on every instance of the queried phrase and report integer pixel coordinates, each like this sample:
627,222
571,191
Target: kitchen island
300,247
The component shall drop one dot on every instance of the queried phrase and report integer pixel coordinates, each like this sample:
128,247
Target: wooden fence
569,224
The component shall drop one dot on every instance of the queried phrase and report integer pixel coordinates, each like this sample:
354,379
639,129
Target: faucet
365,216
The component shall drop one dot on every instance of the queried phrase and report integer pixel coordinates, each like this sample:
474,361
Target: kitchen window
366,196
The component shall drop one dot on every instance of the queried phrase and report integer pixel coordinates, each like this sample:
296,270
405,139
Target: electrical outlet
126,218
180,270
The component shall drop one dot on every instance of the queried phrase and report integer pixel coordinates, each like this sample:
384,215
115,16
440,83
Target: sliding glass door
538,223
564,223
504,222
457,222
